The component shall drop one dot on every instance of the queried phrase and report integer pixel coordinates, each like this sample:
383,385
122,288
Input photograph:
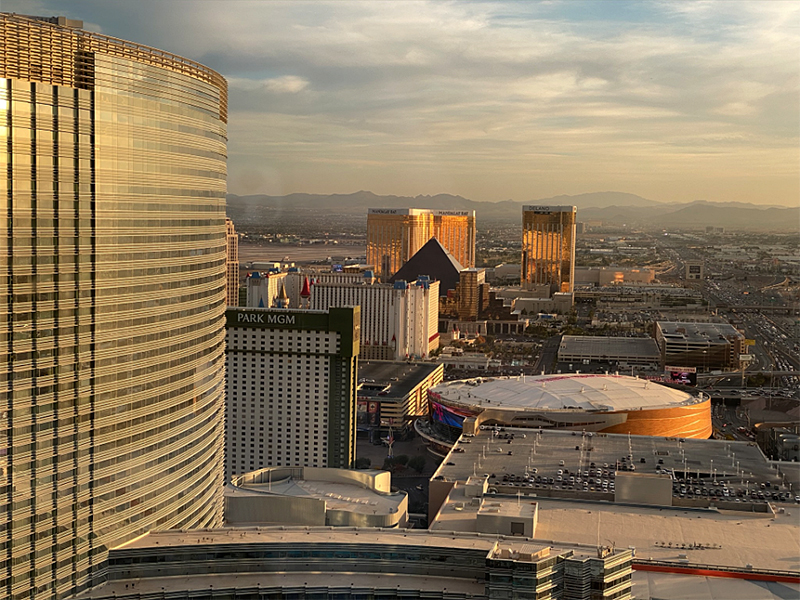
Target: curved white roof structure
586,392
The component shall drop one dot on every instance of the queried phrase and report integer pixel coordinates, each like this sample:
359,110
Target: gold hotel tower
548,247
394,235
112,300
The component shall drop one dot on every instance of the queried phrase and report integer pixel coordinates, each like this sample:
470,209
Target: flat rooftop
299,534
588,392
698,332
734,463
460,514
609,347
574,516
728,539
337,496
390,380
669,586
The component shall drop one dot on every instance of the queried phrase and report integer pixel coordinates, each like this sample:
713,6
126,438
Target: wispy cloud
671,100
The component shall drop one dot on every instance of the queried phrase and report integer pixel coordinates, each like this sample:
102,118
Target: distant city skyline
673,101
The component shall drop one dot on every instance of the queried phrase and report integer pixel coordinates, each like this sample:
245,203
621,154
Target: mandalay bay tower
113,300
394,235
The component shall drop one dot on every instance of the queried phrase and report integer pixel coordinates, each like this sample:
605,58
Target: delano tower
548,247
113,300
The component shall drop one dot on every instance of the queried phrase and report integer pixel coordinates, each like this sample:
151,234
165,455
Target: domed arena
581,402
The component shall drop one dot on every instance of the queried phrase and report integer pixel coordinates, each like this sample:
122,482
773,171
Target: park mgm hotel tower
548,248
394,235
112,300
291,388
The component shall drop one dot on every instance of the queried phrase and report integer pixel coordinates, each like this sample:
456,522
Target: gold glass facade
112,303
455,230
394,235
232,264
548,247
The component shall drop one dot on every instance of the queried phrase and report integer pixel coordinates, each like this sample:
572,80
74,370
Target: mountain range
607,207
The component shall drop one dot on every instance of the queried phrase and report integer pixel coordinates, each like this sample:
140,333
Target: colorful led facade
113,299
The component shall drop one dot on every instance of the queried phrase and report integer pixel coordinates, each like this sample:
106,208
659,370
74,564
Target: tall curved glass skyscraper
112,300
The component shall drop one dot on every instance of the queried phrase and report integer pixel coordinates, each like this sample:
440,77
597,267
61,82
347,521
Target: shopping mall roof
588,392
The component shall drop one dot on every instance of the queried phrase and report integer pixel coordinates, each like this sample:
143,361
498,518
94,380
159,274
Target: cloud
449,91
286,84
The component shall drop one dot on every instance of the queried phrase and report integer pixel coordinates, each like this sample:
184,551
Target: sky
674,101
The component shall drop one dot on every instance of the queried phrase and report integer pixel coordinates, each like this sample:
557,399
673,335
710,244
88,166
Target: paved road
547,359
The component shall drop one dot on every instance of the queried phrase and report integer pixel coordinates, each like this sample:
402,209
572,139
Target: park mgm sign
346,321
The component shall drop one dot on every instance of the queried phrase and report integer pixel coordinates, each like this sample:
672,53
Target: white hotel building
398,321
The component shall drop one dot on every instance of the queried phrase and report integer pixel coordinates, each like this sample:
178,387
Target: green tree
417,463
363,463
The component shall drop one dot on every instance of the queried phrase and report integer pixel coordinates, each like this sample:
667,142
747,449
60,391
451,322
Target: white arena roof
588,392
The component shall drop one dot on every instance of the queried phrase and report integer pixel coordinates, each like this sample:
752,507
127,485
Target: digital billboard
685,376
448,416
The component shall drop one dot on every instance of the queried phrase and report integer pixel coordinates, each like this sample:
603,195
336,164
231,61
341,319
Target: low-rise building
392,394
602,276
314,496
321,562
704,346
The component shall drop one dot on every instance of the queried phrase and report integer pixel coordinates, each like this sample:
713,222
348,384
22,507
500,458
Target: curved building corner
112,311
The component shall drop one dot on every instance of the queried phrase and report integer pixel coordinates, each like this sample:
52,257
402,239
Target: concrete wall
279,510
643,488
499,523
345,518
371,479
758,509
438,490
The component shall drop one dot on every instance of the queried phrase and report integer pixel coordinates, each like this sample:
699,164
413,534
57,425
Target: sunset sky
674,101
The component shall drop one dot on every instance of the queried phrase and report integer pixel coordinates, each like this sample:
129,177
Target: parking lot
585,465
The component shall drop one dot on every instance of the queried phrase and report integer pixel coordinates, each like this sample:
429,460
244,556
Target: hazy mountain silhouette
606,207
